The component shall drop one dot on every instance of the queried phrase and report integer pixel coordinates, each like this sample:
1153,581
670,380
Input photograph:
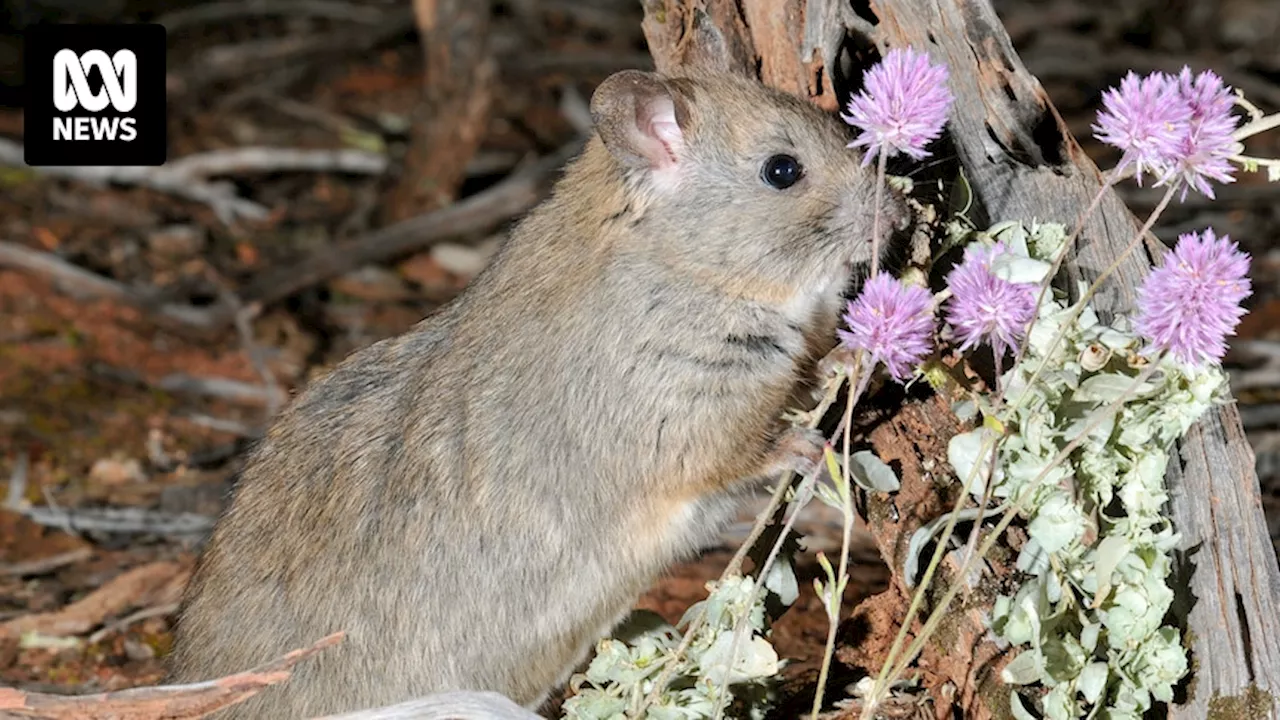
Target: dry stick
120,520
164,701
45,565
256,159
126,621
936,615
220,198
482,211
222,11
81,283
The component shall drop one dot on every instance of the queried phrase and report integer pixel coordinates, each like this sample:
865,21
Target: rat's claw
838,361
798,450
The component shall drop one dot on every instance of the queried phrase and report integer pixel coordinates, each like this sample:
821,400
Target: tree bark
1022,163
450,122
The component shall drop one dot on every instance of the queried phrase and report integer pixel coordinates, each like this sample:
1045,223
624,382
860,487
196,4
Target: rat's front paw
799,450
836,363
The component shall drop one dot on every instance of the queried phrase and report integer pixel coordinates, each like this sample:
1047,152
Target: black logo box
150,145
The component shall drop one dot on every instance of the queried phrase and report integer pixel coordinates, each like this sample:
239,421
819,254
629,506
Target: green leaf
1109,387
827,494
921,537
1110,552
756,658
1022,270
1092,681
963,453
1060,703
781,581
871,473
1026,668
1057,523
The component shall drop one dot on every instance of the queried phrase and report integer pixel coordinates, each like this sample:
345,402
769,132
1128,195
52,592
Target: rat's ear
639,119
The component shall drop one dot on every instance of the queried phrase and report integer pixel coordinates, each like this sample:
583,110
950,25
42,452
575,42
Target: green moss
1253,703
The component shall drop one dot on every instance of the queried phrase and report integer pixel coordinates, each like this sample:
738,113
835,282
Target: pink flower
1191,303
891,321
985,307
902,107
1207,141
1146,118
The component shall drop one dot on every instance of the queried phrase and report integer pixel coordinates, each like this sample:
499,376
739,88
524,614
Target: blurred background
333,179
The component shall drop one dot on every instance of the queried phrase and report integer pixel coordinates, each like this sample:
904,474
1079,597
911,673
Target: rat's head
723,173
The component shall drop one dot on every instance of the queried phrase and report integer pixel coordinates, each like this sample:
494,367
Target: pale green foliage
624,671
1092,606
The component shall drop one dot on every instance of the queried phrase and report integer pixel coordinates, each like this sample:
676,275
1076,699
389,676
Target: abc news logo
71,90
95,95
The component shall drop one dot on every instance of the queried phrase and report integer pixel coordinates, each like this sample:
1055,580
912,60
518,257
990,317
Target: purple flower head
1146,118
891,321
985,307
1207,141
1191,303
902,107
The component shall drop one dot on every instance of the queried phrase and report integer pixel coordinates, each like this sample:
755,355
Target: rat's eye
781,171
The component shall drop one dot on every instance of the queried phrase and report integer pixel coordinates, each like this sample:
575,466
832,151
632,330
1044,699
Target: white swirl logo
71,80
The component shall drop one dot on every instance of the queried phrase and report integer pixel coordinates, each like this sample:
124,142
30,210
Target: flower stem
1257,126
875,220
833,613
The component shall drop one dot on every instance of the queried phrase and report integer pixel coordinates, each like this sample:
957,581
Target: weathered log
1022,163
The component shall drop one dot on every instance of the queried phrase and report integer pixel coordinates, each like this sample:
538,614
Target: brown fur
477,501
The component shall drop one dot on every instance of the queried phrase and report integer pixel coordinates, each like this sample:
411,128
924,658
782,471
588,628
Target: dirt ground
124,429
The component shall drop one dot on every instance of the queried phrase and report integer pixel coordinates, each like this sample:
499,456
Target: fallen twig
221,11
81,283
290,54
45,565
221,388
233,427
17,482
186,177
481,212
238,161
124,521
244,316
144,585
220,198
450,120
163,702
127,620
